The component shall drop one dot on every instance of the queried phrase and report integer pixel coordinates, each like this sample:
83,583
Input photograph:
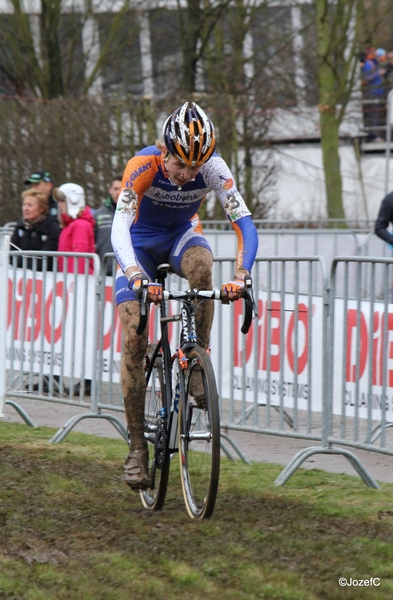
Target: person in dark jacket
41,181
103,218
385,217
36,230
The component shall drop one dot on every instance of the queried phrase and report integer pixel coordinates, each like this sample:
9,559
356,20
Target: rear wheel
199,434
156,434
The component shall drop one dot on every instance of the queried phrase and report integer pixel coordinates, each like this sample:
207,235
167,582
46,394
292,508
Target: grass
71,529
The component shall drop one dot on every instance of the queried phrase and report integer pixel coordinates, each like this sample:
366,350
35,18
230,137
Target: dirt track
255,447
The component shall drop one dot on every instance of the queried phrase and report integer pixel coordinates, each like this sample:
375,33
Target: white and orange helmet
189,135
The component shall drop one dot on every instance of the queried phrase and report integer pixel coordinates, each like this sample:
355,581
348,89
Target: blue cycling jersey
156,221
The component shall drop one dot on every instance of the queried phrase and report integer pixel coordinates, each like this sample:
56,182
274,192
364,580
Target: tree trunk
190,25
248,166
50,20
331,164
327,83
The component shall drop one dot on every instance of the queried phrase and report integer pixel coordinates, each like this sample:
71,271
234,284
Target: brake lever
248,286
250,306
143,293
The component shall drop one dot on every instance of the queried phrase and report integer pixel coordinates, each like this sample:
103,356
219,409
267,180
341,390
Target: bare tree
241,101
342,28
376,22
197,22
337,48
57,52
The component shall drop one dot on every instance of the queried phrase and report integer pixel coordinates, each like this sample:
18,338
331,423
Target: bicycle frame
163,347
186,417
188,335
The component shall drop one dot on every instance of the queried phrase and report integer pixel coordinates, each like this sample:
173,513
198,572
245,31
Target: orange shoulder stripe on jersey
139,173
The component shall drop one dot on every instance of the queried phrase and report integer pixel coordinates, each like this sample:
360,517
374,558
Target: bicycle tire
199,437
155,432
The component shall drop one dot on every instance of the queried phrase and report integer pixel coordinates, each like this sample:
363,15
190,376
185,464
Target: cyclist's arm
137,178
121,234
247,245
220,179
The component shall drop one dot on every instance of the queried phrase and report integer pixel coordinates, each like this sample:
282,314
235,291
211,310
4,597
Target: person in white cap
77,234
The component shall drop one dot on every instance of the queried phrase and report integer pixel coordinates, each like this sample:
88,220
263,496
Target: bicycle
174,420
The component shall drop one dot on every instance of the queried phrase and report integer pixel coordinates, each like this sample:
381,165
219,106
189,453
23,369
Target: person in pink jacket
77,234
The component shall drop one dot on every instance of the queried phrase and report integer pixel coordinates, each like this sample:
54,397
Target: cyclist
156,222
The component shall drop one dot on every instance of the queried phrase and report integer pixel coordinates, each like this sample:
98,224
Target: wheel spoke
155,433
199,436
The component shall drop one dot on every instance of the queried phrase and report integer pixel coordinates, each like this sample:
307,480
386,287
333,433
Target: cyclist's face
179,173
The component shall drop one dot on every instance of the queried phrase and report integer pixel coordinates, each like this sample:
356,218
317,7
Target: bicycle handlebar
250,307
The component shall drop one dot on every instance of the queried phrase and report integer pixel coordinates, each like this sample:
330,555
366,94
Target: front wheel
156,434
199,434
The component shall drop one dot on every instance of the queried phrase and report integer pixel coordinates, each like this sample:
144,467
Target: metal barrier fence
276,384
361,325
359,400
300,373
52,344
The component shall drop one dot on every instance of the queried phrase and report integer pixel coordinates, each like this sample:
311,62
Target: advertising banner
51,328
358,359
276,337
50,324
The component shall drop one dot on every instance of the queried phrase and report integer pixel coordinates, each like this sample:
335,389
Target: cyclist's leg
133,386
196,266
191,257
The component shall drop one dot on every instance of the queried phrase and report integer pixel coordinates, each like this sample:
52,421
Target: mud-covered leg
196,266
133,386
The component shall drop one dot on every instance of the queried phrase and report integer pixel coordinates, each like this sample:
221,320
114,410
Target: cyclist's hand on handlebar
233,290
154,290
154,293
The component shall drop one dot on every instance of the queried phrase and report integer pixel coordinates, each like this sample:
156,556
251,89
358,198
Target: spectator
373,94
380,55
388,77
41,181
77,223
103,218
385,217
36,229
77,235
